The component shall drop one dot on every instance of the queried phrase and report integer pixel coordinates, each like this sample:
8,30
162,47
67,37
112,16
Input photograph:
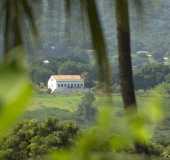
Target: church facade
64,82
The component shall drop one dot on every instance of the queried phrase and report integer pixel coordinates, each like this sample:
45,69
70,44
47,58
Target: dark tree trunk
124,49
125,64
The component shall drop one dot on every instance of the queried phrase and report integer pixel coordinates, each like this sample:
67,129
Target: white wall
70,84
52,84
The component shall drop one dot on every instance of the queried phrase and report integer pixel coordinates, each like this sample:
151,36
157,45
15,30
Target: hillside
150,28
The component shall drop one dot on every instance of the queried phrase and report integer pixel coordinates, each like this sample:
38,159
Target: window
58,85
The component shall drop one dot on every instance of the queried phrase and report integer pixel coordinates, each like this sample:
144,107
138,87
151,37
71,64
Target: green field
63,107
68,102
59,106
64,102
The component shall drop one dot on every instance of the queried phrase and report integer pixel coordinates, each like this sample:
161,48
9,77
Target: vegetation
86,112
110,131
151,75
40,72
33,139
68,101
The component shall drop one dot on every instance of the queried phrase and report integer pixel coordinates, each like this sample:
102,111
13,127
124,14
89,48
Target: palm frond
25,4
99,43
12,34
14,12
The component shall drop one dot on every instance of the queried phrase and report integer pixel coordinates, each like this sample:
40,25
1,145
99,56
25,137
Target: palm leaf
12,34
99,43
29,15
14,12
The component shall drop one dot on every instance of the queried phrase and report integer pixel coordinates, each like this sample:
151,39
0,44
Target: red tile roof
67,77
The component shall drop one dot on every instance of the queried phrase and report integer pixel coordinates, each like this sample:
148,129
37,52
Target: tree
151,75
124,49
72,67
86,111
125,63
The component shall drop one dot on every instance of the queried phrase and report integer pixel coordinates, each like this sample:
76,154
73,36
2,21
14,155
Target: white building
62,82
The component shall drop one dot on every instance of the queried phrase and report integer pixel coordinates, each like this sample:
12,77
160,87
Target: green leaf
15,93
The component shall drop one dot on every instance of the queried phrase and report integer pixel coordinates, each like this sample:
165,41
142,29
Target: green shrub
33,139
86,111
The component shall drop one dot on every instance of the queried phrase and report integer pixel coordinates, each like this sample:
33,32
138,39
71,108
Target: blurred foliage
15,93
113,137
163,88
14,15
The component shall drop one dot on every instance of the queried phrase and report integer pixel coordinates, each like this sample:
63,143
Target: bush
86,111
32,139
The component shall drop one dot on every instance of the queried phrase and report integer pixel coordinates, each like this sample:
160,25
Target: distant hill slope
150,29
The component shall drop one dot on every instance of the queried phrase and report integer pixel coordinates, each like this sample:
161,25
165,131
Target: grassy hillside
68,102
59,106
61,101
64,106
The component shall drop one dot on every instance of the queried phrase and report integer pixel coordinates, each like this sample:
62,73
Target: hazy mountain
150,28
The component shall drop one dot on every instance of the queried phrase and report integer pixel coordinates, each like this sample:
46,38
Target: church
65,82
